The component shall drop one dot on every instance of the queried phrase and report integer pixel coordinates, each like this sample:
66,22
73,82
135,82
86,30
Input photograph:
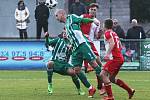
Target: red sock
123,85
108,89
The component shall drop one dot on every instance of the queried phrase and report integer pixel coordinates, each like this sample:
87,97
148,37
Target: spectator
117,28
22,19
77,8
41,16
136,31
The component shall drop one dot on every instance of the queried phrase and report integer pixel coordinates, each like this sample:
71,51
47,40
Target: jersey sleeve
51,42
108,35
79,19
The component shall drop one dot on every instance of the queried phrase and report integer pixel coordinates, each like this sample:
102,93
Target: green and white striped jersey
73,29
61,51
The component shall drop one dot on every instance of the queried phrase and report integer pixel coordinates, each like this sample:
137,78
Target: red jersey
85,27
116,51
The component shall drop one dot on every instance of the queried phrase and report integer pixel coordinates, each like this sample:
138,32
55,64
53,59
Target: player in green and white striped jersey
81,50
59,63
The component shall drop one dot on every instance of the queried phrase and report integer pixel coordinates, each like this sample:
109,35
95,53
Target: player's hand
46,34
99,34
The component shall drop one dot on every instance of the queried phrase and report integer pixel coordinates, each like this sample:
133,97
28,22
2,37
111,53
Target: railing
136,54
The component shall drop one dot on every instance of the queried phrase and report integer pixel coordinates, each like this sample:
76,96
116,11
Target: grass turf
32,85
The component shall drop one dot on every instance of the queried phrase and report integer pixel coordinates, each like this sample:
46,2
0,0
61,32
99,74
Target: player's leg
100,85
71,72
122,84
85,82
83,79
87,67
49,76
91,58
107,83
77,60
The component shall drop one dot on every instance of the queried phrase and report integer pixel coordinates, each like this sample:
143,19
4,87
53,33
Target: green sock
97,70
49,75
76,81
83,79
50,89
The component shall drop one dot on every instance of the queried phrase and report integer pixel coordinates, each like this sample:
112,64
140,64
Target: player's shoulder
108,34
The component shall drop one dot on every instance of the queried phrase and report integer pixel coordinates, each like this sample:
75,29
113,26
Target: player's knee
50,64
93,64
103,74
77,70
112,79
71,72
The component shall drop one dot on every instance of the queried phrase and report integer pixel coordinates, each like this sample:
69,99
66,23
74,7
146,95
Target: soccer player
60,65
81,50
90,30
114,60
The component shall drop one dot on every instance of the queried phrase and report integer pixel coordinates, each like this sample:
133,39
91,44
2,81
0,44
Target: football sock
49,75
97,70
83,79
108,89
76,81
50,89
99,82
123,85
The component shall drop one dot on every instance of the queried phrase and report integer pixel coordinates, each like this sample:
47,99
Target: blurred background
123,10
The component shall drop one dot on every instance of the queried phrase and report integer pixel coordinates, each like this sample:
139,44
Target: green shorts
83,52
61,67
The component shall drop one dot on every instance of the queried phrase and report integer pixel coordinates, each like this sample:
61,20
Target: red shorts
94,48
113,66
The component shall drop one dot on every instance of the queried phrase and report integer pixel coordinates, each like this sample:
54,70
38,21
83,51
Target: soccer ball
51,3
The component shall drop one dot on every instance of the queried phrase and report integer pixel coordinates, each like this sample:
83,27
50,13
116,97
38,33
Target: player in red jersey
90,30
114,60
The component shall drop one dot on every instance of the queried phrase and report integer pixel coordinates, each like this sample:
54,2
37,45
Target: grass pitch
32,85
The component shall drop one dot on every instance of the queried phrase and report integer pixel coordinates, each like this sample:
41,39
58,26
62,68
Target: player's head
60,15
108,24
63,34
93,8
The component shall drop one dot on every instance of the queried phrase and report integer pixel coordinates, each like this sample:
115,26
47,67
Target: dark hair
23,7
94,5
108,23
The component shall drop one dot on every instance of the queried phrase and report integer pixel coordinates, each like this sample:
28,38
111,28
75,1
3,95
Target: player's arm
50,41
80,19
111,44
89,20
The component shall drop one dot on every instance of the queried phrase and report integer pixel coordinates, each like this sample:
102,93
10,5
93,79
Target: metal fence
17,54
136,54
